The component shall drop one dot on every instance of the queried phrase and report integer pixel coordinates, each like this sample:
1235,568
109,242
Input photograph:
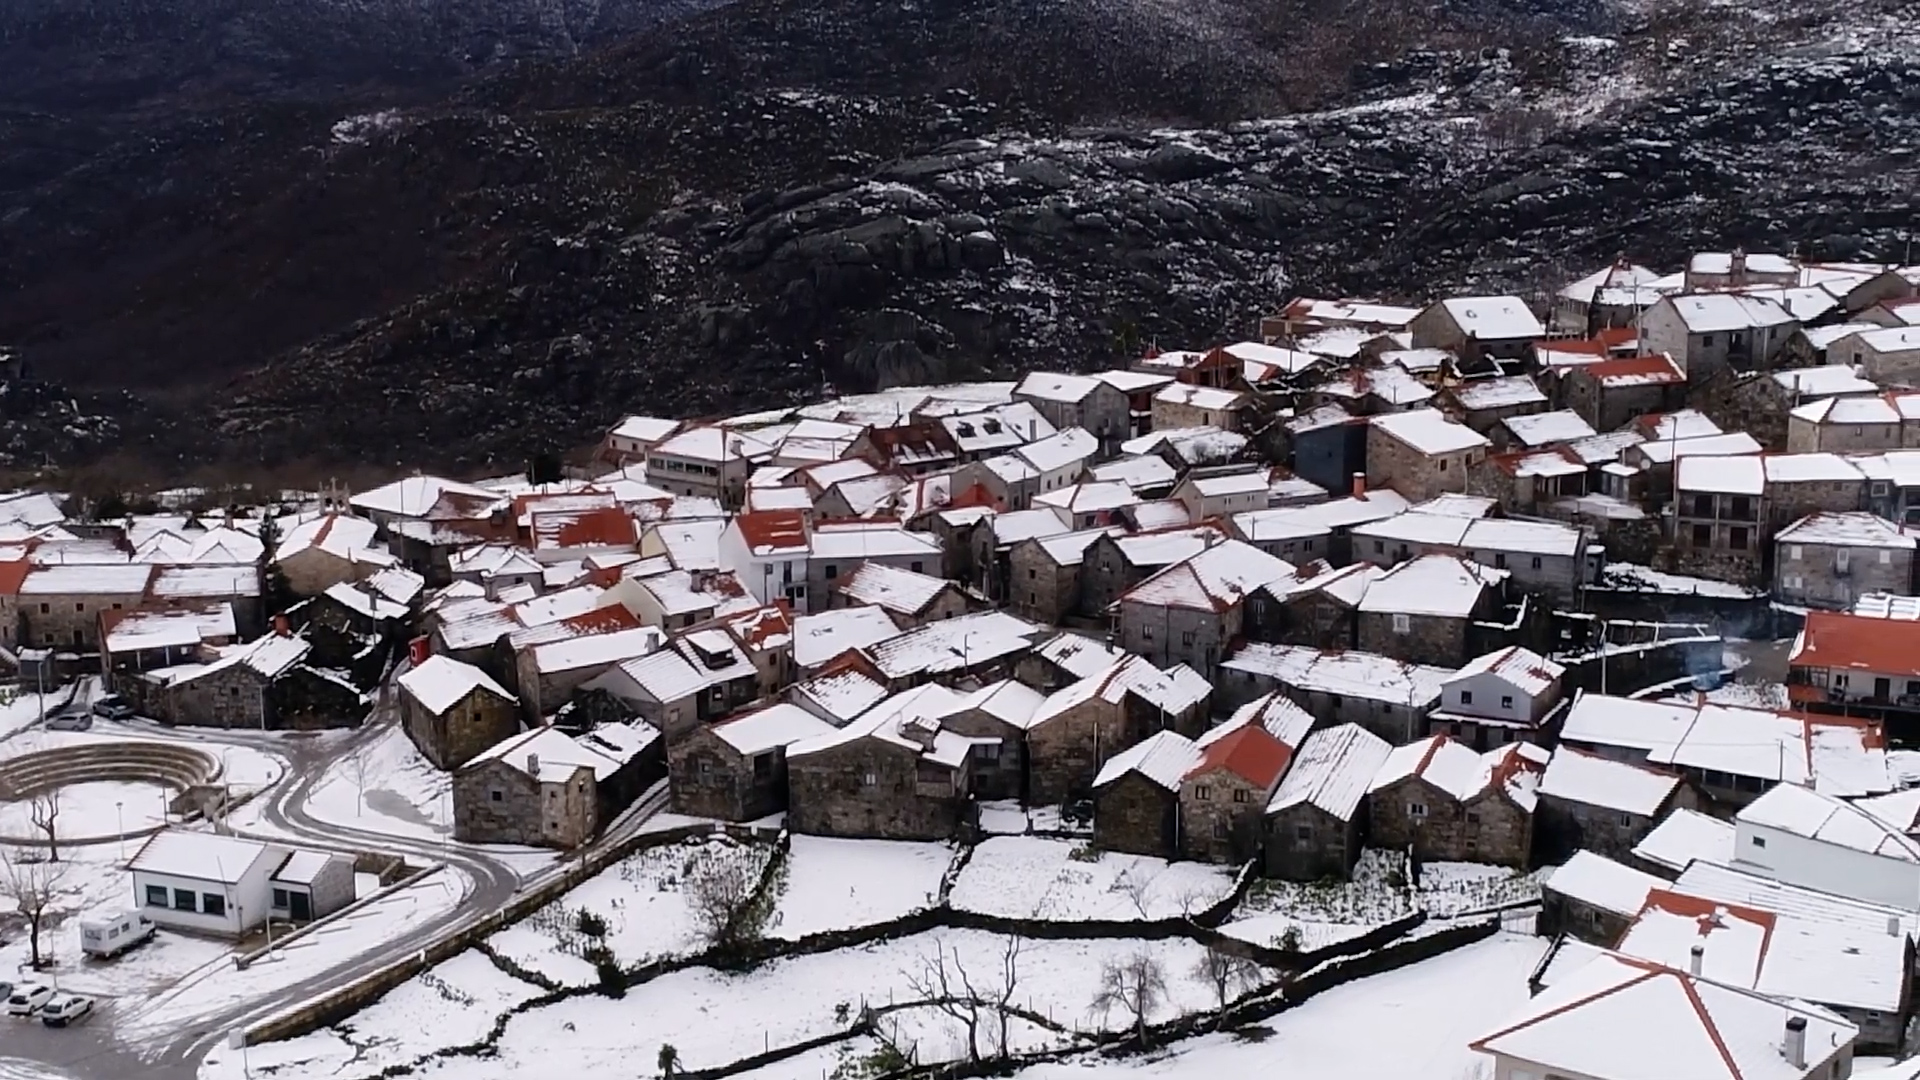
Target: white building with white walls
203,882
1801,837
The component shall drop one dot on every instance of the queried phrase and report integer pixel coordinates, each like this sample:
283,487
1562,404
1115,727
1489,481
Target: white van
114,934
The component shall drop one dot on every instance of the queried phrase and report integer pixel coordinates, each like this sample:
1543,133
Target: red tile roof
12,573
773,529
1251,753
1881,646
590,528
604,620
1655,369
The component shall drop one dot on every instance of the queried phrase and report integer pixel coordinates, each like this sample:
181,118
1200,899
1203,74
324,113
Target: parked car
112,934
27,998
113,707
69,721
65,1009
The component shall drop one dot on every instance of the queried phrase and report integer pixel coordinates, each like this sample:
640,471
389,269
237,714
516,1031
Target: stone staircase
178,767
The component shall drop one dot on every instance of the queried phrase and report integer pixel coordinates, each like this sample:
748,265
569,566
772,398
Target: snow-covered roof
1683,836
714,444
910,720
1194,445
551,756
893,589
1429,431
765,729
1620,275
1263,362
1055,386
1199,397
1162,758
1810,814
1494,318
363,602
1849,529
200,856
1578,776
1090,496
1164,547
648,429
1136,471
1008,700
179,628
1064,449
1734,885
1827,380
413,496
1721,475
1077,654
1440,585
1862,409
1416,527
1732,444
1599,882
820,637
1017,525
1542,429
1417,361
1332,771
1518,666
87,579
1890,339
596,650
1394,385
1273,711
1349,673
1621,1018
301,867
1173,691
1713,313
1803,468
842,692
1070,549
1499,393
1287,522
441,682
1240,481
1522,537
953,644
1216,579
1349,312
872,541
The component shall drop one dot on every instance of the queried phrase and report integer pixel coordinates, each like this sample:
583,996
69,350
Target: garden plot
1428,1012
712,1018
1314,915
833,884
1451,889
1008,818
1028,877
637,910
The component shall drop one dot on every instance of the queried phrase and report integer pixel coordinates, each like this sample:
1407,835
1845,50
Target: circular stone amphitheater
100,791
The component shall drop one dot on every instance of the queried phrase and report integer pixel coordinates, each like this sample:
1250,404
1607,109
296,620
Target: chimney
1737,270
281,628
1359,484
533,766
1696,958
1795,1048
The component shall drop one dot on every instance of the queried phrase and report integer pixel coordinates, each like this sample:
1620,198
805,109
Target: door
300,905
1882,689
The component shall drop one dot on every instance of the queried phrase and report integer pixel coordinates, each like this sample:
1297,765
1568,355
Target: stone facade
1392,463
1170,635
69,621
1065,752
1220,817
313,570
1608,407
235,696
1561,914
997,771
1806,436
1135,815
1105,412
709,778
304,699
1041,589
1305,843
1835,575
874,788
476,722
1718,536
1564,826
1314,619
1105,573
1428,639
1486,828
1787,502
496,802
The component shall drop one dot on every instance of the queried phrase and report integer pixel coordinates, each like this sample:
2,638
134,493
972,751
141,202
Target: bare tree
1134,888
945,985
32,886
1135,985
1009,978
44,809
358,763
1227,973
720,890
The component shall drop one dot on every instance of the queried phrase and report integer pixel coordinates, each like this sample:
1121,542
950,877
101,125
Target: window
1415,809
1506,701
1146,633
1499,560
1402,624
1703,506
1220,828
1842,560
762,767
1203,793
702,766
1473,817
987,751
1886,557
496,795
280,902
916,565
1239,795
1379,548
1626,821
1536,562
869,780
1466,697
1303,832
1186,637
1737,538
1792,581
185,899
156,896
1706,341
46,609
834,572
213,904
1031,575
1443,464
1307,545
1793,552
1840,680
1913,686
1759,841
79,607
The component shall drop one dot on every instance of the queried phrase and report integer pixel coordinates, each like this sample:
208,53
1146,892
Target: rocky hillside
779,195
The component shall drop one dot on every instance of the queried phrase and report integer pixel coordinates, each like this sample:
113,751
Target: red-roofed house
1612,392
768,550
1854,662
1223,798
12,573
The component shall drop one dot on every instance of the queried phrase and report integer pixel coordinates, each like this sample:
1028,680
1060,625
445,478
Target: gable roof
1249,752
1163,758
1832,639
1216,579
441,682
1578,776
1332,771
1807,813
1518,666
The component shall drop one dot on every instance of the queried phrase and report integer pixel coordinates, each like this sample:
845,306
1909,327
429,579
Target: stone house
1422,610
1116,562
1421,454
706,461
1590,802
59,605
547,674
1065,659
1077,730
1830,560
1505,696
1223,795
699,677
839,550
454,711
1185,405
1609,394
1315,822
1478,327
1045,580
328,550
736,770
1305,315
1482,404
911,599
1886,355
1382,694
1222,491
996,718
1718,516
1446,803
1189,612
544,788
1082,401
1802,484
895,773
235,691
1707,332
1319,608
1856,424
1593,898
1136,796
992,542
629,441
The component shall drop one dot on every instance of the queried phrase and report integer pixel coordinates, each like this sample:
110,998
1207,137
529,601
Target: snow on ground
1032,877
833,883
713,1017
1430,1010
826,1063
386,786
219,986
365,885
1449,889
455,1004
1008,818
1322,913
1631,577
92,883
1745,695
94,809
20,707
644,906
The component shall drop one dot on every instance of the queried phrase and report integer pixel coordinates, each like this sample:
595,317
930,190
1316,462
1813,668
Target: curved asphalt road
28,1050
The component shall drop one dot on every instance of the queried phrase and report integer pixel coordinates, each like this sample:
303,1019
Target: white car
65,1009
27,998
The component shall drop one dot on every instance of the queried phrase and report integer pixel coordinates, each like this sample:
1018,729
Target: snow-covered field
1411,1024
386,786
1313,915
98,808
1033,877
642,903
832,884
1448,889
